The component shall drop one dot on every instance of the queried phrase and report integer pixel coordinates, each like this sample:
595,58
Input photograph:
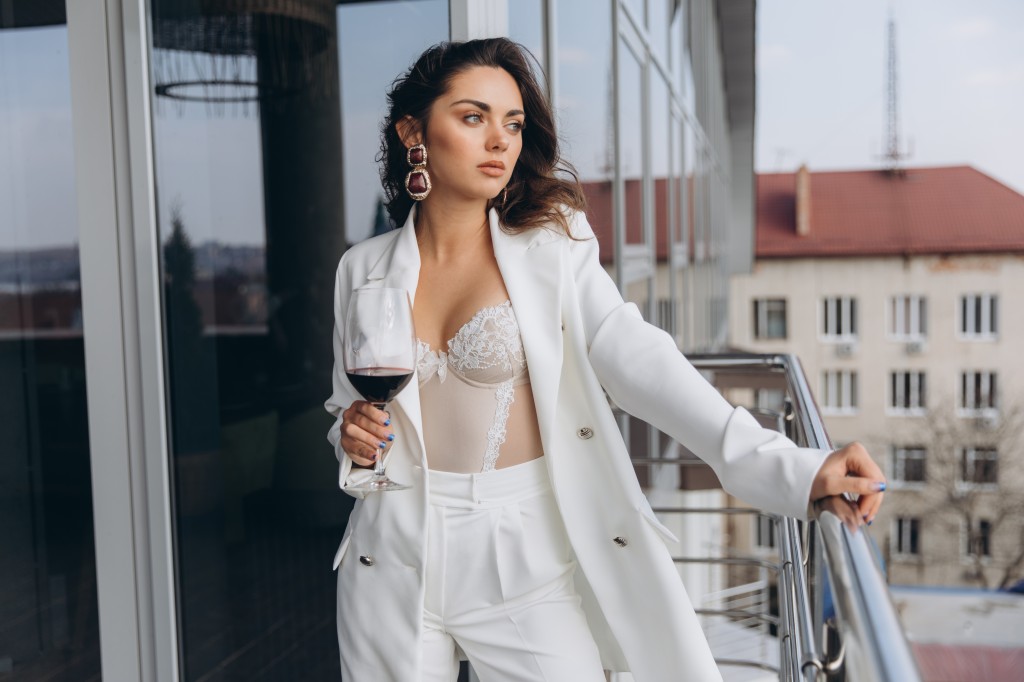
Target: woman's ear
408,129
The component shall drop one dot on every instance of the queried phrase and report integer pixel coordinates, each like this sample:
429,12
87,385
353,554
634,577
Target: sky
822,88
821,100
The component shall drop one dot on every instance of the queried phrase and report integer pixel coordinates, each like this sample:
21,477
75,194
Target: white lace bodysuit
476,398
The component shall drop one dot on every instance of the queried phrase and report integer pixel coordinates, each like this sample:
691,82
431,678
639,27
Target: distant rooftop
947,210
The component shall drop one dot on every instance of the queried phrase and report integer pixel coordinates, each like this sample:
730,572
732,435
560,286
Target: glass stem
378,466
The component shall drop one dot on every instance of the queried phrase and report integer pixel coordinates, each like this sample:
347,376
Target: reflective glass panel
677,42
659,117
526,27
584,104
631,146
266,128
49,627
637,7
659,21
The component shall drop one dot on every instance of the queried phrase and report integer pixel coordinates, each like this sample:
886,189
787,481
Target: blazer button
366,560
586,433
620,541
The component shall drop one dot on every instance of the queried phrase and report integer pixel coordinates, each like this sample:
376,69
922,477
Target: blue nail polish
383,444
391,436
871,521
880,486
387,422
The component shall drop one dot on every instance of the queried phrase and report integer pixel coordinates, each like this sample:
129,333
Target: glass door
265,122
49,628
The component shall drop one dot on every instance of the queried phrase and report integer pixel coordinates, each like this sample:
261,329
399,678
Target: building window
764,532
908,465
978,392
906,536
839,391
979,467
667,315
908,318
907,392
979,540
979,316
770,399
839,318
770,318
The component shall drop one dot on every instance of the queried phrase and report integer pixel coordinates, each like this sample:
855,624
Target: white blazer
581,341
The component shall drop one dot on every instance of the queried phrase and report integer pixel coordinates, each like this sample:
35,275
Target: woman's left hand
851,470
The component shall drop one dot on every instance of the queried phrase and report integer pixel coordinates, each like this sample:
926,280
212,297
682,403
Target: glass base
379,484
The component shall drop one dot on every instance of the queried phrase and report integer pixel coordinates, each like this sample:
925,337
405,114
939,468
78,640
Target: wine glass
380,352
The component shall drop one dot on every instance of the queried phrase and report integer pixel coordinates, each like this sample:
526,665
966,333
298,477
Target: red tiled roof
954,209
964,663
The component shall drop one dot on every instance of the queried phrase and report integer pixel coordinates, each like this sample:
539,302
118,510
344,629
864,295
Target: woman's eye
515,126
473,118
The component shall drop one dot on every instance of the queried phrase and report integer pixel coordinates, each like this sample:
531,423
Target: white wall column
472,19
119,253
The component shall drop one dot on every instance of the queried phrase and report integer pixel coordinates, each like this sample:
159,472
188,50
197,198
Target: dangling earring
504,196
417,181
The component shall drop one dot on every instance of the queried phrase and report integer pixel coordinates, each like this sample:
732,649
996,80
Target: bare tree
974,483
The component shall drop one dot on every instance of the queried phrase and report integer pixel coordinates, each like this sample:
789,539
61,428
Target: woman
525,542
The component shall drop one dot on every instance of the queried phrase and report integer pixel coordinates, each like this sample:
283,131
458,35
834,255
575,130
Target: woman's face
474,134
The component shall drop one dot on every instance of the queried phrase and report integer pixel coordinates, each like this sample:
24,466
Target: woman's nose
498,141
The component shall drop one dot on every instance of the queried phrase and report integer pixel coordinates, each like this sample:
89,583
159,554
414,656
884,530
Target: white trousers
499,582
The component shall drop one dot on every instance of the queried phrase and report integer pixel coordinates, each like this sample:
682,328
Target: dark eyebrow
487,107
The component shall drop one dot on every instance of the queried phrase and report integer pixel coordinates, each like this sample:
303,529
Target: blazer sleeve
644,373
343,394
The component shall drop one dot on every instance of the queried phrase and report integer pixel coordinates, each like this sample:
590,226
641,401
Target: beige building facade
917,356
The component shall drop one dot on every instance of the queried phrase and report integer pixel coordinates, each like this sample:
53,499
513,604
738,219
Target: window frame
900,455
982,387
908,391
966,549
916,327
968,459
764,528
843,310
763,307
844,387
985,309
911,528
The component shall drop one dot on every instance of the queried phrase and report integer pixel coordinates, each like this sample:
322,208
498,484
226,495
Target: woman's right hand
365,430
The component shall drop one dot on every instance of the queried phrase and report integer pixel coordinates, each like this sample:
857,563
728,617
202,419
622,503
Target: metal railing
859,637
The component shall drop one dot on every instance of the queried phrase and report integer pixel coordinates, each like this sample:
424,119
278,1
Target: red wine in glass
380,352
379,384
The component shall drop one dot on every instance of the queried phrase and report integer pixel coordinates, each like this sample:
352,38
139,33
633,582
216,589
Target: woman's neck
446,230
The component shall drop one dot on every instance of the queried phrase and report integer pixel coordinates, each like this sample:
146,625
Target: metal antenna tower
892,152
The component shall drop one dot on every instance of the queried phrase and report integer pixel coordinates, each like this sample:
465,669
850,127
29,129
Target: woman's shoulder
575,227
579,226
374,245
362,256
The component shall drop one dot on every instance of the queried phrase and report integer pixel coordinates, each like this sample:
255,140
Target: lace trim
505,395
429,363
489,339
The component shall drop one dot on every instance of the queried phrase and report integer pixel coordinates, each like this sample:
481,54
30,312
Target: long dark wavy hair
542,187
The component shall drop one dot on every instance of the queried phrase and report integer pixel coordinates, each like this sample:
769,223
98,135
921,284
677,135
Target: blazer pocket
343,547
644,507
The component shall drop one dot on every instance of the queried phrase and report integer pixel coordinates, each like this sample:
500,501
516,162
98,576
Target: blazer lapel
399,268
530,265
